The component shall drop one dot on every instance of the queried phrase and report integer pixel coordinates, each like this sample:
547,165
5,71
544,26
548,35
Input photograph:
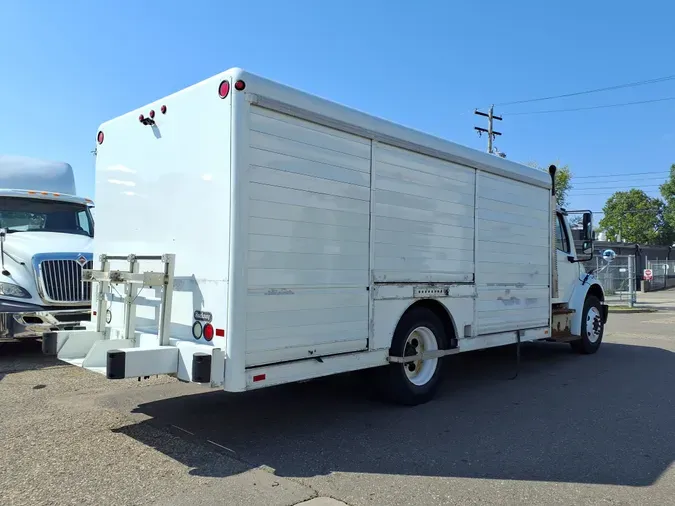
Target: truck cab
46,240
577,298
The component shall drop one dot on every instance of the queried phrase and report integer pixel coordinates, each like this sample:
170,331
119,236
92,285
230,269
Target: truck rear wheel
592,328
415,382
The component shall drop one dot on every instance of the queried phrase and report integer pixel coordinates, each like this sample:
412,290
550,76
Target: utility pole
490,131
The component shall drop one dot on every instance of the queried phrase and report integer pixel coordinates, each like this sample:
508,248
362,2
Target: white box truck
293,237
46,233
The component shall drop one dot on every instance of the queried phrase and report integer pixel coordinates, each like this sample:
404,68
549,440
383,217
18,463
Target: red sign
648,275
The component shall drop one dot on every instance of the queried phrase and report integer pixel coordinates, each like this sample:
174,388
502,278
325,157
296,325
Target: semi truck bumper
26,321
123,358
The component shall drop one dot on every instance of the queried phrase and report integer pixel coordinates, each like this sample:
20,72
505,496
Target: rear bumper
28,321
119,358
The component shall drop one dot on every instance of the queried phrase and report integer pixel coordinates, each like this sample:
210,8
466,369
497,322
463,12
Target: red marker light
239,85
259,377
141,118
100,137
151,114
163,109
208,332
220,332
224,89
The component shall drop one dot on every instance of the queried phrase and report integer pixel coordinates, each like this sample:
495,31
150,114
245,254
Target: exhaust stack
554,256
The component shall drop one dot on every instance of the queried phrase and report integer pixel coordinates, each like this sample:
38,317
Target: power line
629,179
634,211
607,192
596,90
623,180
624,174
606,106
619,184
617,188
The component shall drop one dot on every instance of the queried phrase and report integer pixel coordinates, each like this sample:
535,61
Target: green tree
563,185
634,216
563,181
668,194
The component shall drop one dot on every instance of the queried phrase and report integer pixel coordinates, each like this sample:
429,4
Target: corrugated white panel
423,218
308,261
512,255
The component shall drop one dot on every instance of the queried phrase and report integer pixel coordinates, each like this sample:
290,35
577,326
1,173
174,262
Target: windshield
35,215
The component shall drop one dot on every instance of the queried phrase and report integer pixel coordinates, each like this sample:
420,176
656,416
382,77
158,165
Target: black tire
394,381
585,345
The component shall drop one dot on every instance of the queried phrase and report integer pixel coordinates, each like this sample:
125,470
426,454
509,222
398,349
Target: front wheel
592,328
413,383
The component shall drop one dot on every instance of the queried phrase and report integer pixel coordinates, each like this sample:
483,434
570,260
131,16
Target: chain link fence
663,274
618,278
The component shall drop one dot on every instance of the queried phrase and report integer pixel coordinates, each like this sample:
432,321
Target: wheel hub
420,340
593,324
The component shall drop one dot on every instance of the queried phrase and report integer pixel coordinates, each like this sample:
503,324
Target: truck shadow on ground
23,356
604,419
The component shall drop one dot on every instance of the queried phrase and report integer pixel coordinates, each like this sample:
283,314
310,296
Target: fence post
631,280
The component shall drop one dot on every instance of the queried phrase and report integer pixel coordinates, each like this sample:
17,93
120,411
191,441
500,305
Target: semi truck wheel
592,328
416,382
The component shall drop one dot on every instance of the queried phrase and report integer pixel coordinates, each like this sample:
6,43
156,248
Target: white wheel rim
420,340
593,324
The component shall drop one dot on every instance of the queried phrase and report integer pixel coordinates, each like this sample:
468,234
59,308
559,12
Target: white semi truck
250,234
46,233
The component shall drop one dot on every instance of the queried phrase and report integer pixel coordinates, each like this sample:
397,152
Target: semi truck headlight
11,290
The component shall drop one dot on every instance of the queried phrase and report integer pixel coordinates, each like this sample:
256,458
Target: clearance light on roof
151,114
224,89
53,194
239,85
100,137
163,109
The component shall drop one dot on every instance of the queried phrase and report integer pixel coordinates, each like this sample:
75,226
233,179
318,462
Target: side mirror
587,224
585,235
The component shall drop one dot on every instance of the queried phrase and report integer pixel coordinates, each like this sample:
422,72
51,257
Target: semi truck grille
62,281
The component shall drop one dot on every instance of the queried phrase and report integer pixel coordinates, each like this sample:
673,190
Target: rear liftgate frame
127,353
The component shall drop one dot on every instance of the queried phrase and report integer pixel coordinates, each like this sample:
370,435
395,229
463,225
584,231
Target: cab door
568,271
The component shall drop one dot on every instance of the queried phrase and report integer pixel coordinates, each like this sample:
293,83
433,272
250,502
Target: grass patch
627,309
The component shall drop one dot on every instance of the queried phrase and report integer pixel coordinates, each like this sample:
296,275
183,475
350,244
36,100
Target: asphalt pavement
568,429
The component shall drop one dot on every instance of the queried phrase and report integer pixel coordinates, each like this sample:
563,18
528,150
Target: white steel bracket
133,281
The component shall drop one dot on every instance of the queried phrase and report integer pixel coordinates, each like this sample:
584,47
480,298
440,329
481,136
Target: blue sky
65,67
